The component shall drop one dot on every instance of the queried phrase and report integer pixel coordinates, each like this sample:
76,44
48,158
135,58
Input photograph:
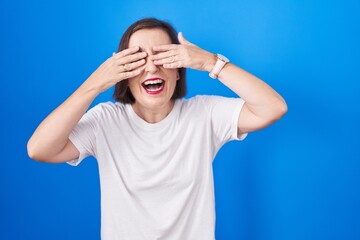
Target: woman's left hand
183,55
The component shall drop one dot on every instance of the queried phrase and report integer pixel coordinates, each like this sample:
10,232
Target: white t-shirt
157,179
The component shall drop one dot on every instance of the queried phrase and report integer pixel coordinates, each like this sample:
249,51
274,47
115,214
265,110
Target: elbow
40,153
275,113
30,150
281,110
33,153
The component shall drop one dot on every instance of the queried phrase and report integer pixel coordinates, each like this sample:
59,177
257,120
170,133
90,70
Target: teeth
154,90
153,81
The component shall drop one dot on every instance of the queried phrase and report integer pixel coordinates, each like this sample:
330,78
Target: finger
162,55
131,66
131,58
170,59
165,47
182,40
127,75
173,65
126,52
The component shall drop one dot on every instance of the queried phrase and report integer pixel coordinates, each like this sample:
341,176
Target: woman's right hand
123,65
50,141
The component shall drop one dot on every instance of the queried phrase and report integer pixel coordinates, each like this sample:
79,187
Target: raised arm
50,141
263,105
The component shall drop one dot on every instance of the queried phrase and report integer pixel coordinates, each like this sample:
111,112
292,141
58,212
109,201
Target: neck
155,114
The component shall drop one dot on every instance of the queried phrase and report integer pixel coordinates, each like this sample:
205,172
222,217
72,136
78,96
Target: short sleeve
224,114
83,136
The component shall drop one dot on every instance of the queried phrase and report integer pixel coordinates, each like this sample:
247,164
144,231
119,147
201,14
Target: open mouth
153,86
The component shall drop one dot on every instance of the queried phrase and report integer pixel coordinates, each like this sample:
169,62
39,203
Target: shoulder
211,104
207,101
207,98
109,106
107,109
188,103
198,99
198,104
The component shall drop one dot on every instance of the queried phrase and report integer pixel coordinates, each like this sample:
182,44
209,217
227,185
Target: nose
150,67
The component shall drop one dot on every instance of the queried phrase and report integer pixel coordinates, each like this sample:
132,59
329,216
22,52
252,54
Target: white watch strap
220,63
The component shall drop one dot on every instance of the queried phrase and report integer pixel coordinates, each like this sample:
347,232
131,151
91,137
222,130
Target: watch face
223,58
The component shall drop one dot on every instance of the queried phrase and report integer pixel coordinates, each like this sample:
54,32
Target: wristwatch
220,63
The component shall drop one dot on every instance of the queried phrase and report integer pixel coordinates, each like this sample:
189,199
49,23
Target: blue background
297,179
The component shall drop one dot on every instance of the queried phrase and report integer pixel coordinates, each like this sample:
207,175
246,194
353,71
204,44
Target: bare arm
50,141
263,105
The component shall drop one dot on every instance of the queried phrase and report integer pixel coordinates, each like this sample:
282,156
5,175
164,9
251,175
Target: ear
177,76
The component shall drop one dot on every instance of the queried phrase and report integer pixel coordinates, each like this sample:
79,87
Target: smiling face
154,87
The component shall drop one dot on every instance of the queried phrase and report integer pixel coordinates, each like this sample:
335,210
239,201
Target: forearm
262,100
52,134
263,105
51,137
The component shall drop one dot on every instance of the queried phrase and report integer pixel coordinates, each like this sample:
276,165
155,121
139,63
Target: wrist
219,65
89,87
210,64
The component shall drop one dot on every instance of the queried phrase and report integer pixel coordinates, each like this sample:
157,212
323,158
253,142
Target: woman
154,148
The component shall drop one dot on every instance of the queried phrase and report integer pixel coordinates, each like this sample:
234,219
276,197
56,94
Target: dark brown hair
122,92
